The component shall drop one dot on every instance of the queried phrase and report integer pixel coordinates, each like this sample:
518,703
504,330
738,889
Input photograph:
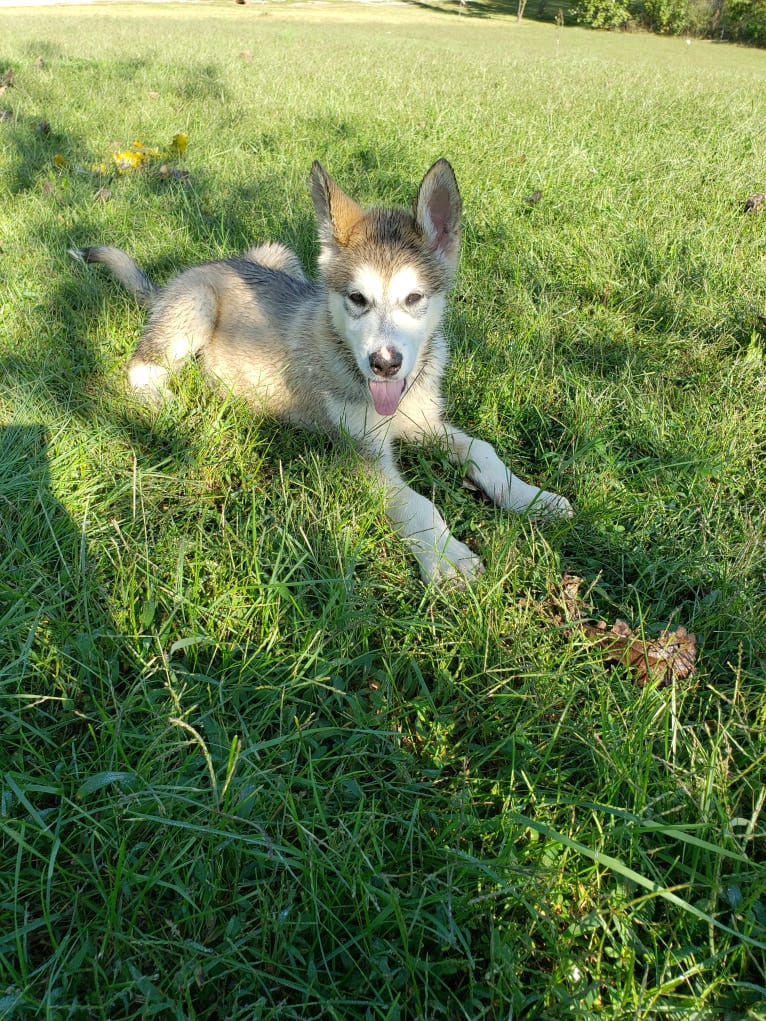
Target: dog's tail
127,270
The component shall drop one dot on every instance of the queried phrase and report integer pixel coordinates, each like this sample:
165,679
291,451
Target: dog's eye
358,299
413,299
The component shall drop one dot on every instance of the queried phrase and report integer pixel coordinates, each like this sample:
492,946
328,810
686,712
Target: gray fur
127,270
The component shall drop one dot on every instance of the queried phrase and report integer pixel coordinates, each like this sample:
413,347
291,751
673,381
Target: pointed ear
438,211
336,212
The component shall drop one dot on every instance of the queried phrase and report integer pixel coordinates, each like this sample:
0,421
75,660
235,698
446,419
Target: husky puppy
360,351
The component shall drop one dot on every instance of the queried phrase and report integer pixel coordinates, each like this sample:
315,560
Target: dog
359,352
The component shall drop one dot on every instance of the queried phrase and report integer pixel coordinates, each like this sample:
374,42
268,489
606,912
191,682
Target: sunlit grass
251,768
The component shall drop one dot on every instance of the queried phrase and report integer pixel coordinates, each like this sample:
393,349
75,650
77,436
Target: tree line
735,20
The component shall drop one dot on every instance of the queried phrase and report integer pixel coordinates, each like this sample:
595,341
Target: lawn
250,767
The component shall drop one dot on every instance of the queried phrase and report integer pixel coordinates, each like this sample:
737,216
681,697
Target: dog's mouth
386,394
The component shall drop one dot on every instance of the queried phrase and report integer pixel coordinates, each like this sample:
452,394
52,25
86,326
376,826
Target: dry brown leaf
172,173
670,657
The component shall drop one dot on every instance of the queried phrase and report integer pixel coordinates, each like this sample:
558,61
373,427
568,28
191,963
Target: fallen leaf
147,150
179,143
668,658
140,157
172,173
129,160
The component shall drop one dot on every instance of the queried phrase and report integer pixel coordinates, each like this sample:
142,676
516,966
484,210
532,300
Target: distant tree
667,15
746,20
737,20
520,10
603,13
716,10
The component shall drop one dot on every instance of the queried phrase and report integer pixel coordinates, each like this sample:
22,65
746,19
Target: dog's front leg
485,469
439,555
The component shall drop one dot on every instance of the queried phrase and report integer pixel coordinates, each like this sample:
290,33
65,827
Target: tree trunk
715,20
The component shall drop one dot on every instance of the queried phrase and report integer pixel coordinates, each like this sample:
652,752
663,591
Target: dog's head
388,272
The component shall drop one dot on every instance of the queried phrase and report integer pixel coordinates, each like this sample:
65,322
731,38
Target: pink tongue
386,394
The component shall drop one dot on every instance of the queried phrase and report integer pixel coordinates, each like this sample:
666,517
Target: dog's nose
386,362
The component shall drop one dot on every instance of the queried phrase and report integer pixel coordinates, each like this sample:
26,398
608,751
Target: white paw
550,506
454,564
147,383
508,491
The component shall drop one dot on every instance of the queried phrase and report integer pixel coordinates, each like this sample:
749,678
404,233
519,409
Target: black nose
385,362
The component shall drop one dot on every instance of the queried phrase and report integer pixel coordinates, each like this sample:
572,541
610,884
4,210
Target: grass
250,767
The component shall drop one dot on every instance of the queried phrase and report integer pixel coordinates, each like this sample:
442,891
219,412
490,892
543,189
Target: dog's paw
454,565
549,506
148,384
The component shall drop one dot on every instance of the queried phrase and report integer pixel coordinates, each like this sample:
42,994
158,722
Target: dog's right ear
337,213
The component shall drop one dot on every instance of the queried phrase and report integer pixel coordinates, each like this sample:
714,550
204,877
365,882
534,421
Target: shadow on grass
535,10
60,648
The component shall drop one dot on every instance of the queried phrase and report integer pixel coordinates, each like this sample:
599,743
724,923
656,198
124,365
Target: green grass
251,769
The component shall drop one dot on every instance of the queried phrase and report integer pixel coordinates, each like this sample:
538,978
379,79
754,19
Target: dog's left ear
337,213
438,209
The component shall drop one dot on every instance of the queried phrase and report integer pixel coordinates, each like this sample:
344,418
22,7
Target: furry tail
127,271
